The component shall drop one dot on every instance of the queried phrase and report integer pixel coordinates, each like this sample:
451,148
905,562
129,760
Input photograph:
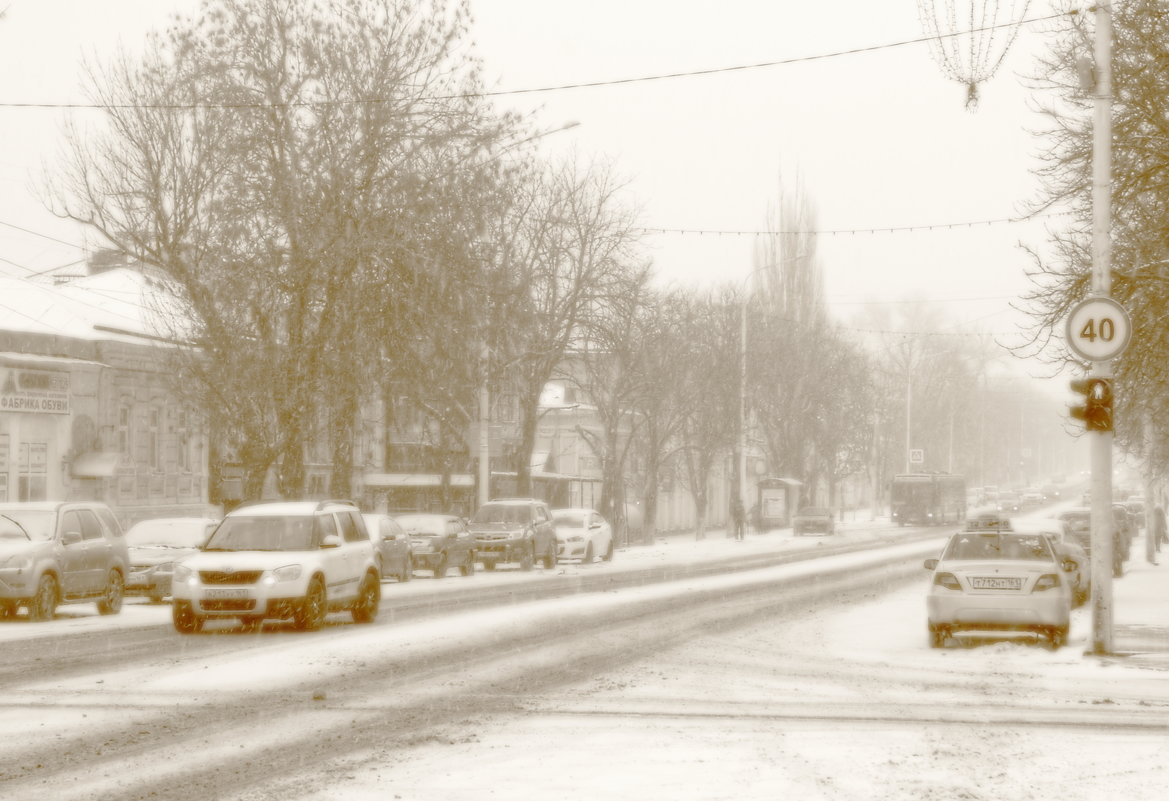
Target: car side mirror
70,537
930,564
331,541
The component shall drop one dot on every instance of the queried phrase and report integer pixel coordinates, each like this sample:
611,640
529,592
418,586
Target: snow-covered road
831,693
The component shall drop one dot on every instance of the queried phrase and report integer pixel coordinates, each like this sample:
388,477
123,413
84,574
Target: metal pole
484,430
1150,501
1101,441
908,407
743,404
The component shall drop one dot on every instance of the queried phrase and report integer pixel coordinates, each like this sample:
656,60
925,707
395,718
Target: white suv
298,560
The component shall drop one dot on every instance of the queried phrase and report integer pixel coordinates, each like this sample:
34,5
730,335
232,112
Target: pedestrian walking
738,517
1160,535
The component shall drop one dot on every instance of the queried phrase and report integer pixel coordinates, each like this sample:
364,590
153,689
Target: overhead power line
852,231
537,89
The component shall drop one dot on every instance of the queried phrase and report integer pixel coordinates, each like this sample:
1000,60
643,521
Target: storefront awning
96,464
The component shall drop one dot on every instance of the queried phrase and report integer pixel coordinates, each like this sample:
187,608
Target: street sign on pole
916,455
1098,329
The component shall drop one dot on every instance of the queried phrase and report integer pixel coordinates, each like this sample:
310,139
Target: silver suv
514,530
298,560
60,553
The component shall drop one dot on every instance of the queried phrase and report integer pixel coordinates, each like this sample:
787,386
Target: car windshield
26,524
168,534
501,514
264,533
569,519
995,545
422,526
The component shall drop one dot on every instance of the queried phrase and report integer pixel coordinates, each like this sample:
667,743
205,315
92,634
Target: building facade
86,406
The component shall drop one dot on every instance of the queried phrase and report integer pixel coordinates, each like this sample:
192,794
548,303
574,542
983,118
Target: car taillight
947,580
1046,582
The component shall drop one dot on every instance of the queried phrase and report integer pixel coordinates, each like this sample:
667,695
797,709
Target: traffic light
1096,408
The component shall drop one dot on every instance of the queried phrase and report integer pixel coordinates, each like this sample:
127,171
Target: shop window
124,428
33,471
154,438
5,450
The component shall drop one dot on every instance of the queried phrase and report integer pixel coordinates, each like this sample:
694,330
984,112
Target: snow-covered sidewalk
1140,610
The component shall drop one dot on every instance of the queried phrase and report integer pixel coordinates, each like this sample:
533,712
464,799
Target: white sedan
582,534
999,580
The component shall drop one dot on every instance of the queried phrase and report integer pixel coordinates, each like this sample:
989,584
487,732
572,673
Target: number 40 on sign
1098,329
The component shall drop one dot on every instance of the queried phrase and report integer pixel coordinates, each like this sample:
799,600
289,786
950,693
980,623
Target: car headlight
286,573
947,580
183,573
1047,581
18,561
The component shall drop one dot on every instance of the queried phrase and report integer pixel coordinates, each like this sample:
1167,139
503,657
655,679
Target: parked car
514,530
440,542
1078,521
582,534
295,560
1136,510
55,553
393,551
813,520
155,545
998,580
1127,531
1068,549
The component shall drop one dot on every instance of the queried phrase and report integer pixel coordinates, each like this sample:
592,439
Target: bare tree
567,249
282,164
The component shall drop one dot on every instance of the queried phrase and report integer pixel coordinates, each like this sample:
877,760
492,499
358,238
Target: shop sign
34,391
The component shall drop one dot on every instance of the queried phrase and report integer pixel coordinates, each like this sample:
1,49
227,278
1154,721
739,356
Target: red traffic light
1096,408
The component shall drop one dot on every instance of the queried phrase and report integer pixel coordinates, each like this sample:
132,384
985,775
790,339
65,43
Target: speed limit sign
1098,329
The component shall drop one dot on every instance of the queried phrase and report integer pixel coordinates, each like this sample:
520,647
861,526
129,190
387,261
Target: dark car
1078,521
60,553
155,546
514,530
813,520
440,542
393,550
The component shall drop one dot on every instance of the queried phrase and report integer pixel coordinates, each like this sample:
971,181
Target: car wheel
185,619
111,604
488,565
527,558
587,559
364,609
8,608
440,567
42,605
310,613
1057,637
468,567
938,637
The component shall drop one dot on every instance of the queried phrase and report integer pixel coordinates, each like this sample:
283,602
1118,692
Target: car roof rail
340,501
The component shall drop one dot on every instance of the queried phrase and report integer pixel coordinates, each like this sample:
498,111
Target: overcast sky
879,139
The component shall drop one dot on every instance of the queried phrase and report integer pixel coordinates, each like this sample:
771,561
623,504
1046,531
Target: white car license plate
996,583
223,595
